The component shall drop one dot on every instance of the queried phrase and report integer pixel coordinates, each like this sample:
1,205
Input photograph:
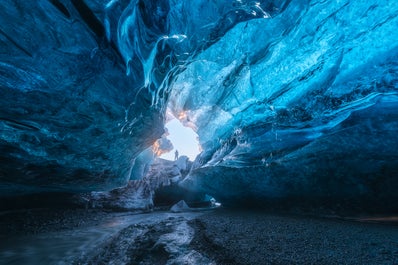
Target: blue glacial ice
289,98
303,104
70,118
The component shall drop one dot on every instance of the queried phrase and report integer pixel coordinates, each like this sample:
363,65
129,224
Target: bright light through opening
184,139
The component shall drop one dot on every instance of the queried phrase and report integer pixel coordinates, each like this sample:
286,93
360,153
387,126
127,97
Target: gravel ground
35,221
239,237
221,237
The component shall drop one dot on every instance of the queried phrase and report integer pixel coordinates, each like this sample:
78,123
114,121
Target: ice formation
289,98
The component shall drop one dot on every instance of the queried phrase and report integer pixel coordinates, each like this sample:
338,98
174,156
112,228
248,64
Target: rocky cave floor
219,236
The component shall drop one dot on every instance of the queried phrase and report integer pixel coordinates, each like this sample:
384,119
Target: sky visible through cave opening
184,139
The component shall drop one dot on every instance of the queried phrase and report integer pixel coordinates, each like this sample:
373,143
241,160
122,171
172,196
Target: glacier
71,120
290,99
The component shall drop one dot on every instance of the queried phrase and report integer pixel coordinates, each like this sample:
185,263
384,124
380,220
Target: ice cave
294,105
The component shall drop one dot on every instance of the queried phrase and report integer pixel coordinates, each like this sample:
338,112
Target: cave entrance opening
183,138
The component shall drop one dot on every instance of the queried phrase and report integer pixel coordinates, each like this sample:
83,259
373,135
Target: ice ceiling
289,98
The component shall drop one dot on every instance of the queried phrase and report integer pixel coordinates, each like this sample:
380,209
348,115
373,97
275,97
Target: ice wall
289,98
70,117
303,104
85,84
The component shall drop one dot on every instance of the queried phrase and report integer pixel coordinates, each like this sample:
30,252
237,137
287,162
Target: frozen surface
69,246
288,98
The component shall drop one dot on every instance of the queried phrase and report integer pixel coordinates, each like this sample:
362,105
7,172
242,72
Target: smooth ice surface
288,98
70,117
302,104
